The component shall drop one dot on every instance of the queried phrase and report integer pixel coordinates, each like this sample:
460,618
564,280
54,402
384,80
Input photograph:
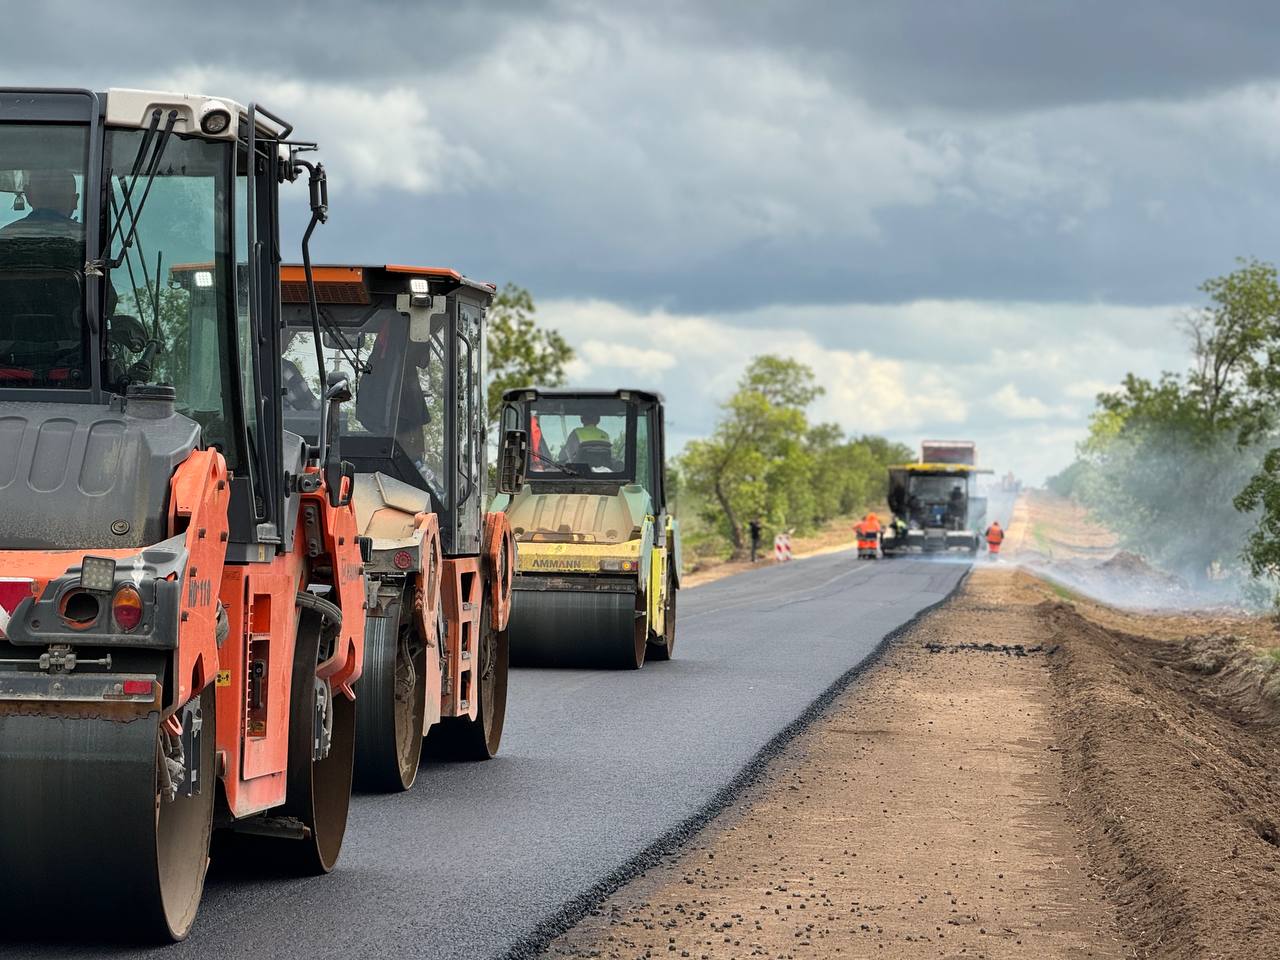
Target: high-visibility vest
994,534
535,436
588,434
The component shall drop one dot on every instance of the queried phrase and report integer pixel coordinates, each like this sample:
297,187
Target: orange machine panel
198,500
461,588
257,659
500,564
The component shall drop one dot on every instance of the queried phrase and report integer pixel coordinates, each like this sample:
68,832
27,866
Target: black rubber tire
464,739
92,846
664,647
391,703
319,791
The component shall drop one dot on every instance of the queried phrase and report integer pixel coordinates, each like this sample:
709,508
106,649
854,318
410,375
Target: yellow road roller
598,555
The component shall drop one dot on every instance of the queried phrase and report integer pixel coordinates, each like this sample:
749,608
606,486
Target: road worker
995,537
868,534
589,432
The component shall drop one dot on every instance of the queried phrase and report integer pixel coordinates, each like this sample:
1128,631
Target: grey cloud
686,185
996,55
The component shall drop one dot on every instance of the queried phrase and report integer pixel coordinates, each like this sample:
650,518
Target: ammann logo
559,563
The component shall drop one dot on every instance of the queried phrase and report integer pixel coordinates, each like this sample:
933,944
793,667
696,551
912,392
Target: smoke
1150,524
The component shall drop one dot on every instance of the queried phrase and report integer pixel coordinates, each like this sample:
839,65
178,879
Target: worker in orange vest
868,534
995,537
539,456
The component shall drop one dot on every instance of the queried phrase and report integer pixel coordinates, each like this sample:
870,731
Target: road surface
595,769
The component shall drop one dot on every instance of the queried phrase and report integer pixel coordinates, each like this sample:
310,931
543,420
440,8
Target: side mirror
334,469
511,461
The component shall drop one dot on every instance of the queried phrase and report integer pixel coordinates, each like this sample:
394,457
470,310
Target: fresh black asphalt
598,772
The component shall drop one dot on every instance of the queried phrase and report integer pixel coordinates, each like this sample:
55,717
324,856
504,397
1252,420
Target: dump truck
935,502
411,341
181,592
598,563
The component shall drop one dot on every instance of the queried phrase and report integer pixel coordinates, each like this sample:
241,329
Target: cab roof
585,393
356,284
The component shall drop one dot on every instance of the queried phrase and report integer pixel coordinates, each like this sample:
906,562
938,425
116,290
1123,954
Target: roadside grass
1066,593
1041,537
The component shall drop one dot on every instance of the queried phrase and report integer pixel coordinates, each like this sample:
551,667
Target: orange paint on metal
262,611
426,610
199,497
334,285
461,586
445,272
500,565
294,274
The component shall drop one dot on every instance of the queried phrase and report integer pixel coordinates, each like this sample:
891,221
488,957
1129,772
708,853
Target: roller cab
598,554
181,595
411,341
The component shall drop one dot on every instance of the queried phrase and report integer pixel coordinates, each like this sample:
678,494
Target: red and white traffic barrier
782,547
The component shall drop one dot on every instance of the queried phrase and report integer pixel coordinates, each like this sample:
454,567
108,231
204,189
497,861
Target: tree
764,459
521,353
1168,462
756,452
1235,344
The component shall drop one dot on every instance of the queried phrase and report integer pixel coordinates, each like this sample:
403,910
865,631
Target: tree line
764,459
1186,467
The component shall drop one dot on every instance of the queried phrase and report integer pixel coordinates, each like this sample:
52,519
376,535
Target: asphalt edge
532,945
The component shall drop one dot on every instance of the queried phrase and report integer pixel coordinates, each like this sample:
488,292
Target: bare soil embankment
1174,750
1021,775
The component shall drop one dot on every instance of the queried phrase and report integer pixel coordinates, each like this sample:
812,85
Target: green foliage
521,353
764,459
1172,464
1071,480
1261,496
174,318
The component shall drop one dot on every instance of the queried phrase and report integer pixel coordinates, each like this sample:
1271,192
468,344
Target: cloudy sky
967,217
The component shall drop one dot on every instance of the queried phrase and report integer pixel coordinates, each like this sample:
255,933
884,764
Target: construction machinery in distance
598,565
411,341
181,590
936,503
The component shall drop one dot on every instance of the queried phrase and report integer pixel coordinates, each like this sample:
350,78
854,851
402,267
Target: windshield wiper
157,145
349,352
563,468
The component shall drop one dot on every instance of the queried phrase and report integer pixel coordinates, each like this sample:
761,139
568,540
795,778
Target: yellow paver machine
598,560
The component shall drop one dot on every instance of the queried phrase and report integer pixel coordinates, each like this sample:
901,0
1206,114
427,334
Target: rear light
137,688
619,566
126,607
403,559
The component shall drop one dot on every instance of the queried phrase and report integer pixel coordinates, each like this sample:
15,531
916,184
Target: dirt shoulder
1074,790
1173,748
